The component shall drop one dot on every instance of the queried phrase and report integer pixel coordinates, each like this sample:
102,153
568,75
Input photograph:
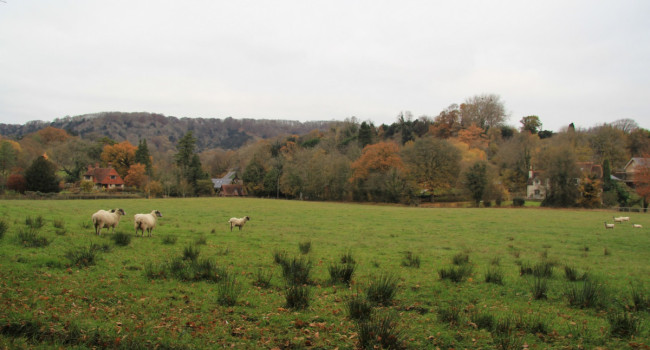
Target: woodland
468,152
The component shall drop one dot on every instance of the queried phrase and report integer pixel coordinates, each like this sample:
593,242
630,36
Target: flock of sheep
142,222
620,220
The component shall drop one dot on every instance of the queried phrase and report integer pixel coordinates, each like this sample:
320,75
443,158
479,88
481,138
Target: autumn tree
590,190
434,164
377,172
379,157
41,176
447,123
607,142
73,157
136,176
120,156
474,137
486,111
51,135
531,124
563,173
17,182
638,142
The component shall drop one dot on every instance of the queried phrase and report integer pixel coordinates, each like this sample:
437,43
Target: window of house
112,177
537,192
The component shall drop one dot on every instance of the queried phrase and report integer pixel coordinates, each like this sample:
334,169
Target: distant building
107,178
537,186
229,185
631,168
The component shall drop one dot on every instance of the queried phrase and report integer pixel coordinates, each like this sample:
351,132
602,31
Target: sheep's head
158,214
247,218
120,211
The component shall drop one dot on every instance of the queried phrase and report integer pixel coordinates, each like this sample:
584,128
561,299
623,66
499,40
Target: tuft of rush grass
460,259
588,294
623,324
358,308
83,256
121,239
539,288
296,270
382,289
263,278
297,296
304,247
494,275
411,260
341,273
30,237
3,228
380,332
228,291
455,273
169,239
35,223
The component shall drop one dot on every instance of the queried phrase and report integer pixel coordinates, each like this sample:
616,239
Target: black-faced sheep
146,222
239,222
108,219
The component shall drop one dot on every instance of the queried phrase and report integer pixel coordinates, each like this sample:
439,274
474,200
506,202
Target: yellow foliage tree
121,156
380,157
136,176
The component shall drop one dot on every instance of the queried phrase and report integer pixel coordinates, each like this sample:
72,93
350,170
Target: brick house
106,178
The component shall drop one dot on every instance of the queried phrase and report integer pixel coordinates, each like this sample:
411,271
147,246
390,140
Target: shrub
304,247
518,202
3,228
296,271
263,279
382,289
121,239
169,239
228,291
586,294
455,273
297,296
358,308
191,253
341,273
494,275
411,260
460,259
83,257
29,238
539,288
380,332
35,223
623,324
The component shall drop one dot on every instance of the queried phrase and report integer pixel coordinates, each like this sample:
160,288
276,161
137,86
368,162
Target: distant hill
210,133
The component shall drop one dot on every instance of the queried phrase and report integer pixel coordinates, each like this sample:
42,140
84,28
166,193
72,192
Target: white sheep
108,219
624,218
608,225
637,226
146,222
618,219
239,222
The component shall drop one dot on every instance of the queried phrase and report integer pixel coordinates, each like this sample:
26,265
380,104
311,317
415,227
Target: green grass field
126,299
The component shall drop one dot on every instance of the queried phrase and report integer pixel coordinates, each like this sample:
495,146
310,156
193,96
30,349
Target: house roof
636,160
226,180
103,176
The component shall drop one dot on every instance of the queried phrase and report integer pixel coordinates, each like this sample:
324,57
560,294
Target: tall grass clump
121,239
34,223
504,334
494,275
29,237
201,240
380,332
228,291
3,228
58,223
640,299
482,320
191,253
539,288
280,257
382,289
296,271
263,278
587,294
297,296
169,239
455,273
623,324
450,313
572,274
358,308
304,247
460,259
347,258
543,269
411,260
341,273
83,256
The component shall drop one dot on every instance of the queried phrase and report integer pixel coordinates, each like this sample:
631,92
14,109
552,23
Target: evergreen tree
41,176
188,161
142,156
365,135
476,178
607,176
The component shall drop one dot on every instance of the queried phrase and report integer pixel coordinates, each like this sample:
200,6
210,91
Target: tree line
466,152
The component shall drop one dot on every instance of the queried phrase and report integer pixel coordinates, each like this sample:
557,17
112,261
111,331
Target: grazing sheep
637,226
108,219
238,222
618,219
146,222
624,218
608,225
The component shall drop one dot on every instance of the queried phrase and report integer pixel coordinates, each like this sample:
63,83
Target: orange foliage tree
136,176
51,134
121,156
380,157
474,137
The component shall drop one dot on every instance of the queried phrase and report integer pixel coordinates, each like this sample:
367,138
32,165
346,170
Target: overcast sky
586,62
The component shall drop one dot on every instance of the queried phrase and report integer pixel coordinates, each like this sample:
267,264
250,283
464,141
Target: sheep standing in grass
608,225
108,219
239,222
637,226
618,219
146,222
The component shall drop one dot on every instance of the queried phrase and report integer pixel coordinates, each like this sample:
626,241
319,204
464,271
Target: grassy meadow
421,277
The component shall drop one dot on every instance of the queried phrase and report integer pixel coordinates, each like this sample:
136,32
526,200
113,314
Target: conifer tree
41,176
